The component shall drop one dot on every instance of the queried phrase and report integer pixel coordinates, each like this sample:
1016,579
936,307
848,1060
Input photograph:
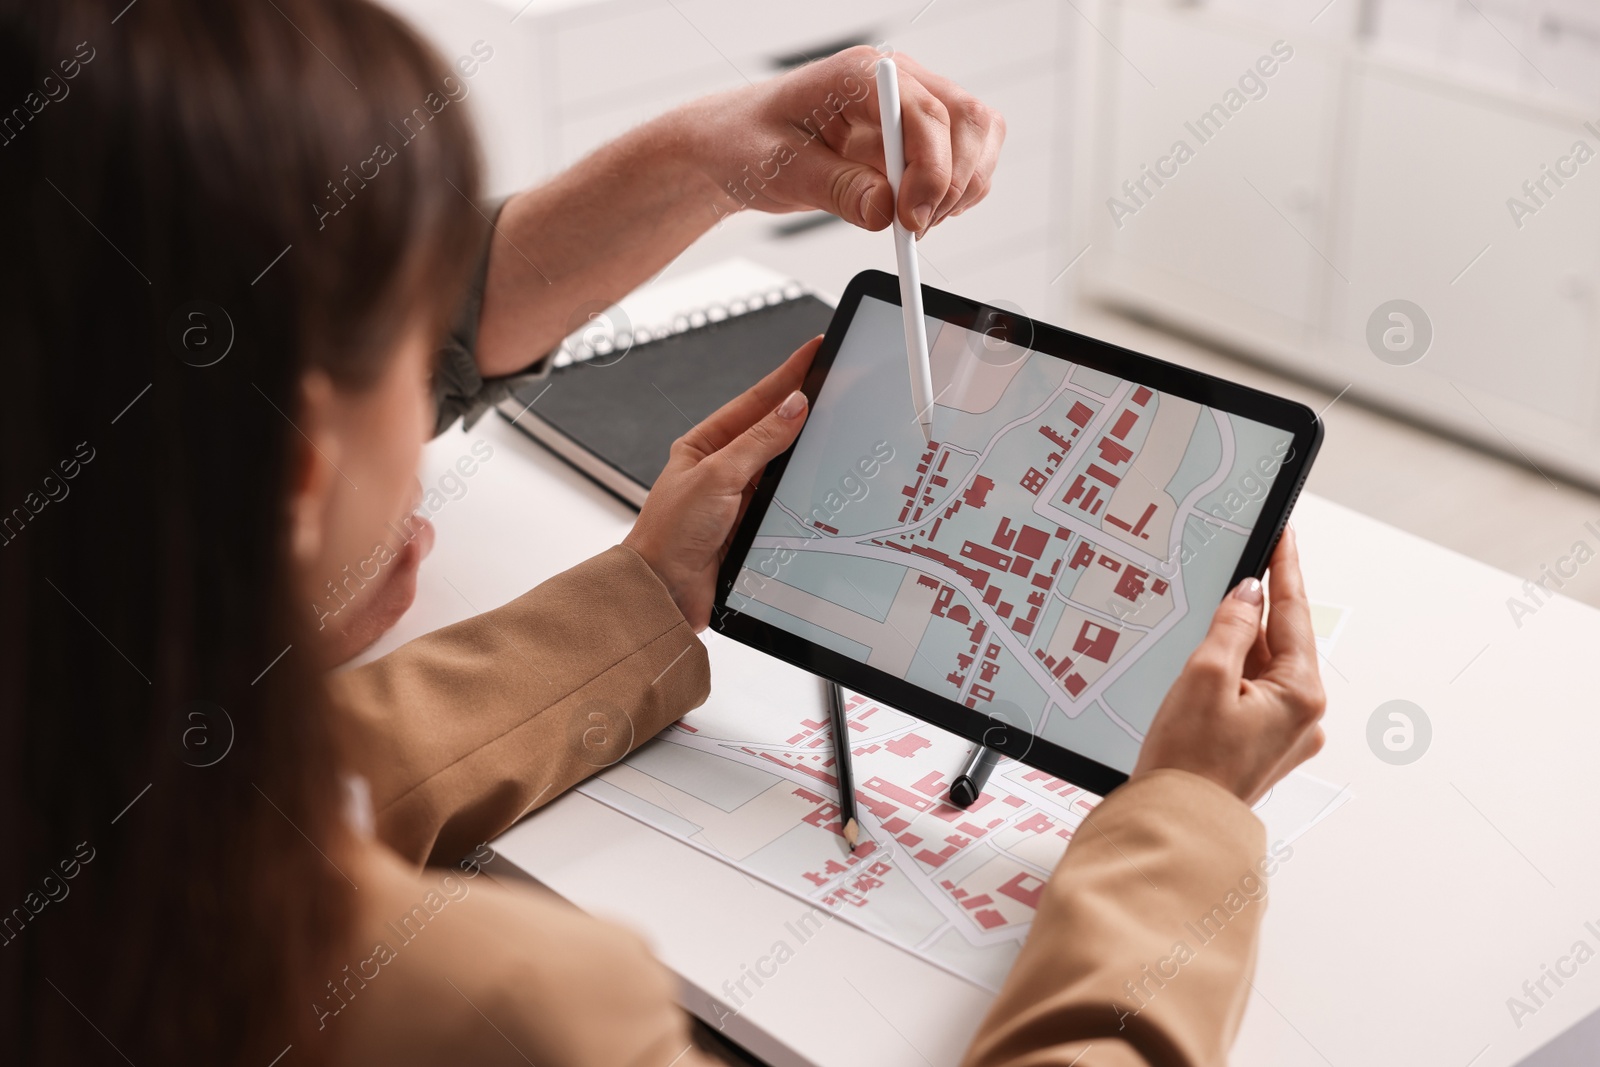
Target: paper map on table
749,778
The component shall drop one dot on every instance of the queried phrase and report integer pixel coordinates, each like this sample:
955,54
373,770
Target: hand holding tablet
1244,711
682,530
1035,578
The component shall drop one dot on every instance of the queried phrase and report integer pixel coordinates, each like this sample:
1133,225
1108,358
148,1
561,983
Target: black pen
973,777
841,759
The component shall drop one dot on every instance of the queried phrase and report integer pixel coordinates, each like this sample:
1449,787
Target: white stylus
905,248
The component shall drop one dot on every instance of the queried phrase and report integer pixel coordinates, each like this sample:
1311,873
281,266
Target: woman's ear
312,469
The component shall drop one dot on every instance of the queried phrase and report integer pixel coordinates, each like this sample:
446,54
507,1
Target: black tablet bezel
1164,377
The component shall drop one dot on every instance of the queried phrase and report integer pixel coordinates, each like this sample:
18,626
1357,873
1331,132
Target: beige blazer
1141,952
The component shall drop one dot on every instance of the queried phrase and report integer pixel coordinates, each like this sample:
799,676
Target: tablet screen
1052,559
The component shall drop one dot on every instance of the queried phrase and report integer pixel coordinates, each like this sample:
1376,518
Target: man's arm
808,140
465,730
580,242
560,253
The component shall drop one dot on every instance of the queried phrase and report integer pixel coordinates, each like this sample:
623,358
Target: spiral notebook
618,396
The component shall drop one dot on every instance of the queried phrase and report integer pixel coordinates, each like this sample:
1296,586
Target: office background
1342,155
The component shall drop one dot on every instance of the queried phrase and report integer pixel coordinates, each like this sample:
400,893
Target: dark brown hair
169,174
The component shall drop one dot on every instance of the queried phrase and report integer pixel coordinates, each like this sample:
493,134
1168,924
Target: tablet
1035,577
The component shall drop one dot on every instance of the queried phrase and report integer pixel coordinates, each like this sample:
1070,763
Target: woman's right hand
1245,710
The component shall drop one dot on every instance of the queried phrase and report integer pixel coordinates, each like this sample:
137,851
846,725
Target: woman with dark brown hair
213,853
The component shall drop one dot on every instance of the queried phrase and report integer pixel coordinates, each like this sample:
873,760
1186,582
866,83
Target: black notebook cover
616,419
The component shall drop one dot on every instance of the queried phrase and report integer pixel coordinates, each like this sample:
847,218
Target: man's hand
694,507
809,139
1244,711
813,138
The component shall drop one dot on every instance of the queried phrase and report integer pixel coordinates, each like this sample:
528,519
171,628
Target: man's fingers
983,174
1233,632
969,133
976,132
738,414
855,191
846,81
748,453
925,126
951,140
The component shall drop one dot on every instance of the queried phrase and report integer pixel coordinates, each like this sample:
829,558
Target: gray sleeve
459,391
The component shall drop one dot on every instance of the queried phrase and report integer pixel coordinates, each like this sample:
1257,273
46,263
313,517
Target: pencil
841,759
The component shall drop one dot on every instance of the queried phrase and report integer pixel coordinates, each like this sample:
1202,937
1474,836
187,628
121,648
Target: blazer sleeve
463,731
1145,937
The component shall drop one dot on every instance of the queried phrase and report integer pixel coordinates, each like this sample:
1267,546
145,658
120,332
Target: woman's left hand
694,507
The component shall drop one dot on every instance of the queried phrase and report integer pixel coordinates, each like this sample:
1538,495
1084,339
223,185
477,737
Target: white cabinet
1234,234
1548,48
1378,167
1430,172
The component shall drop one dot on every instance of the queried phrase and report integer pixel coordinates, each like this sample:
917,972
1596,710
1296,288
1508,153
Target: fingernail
792,405
1248,591
866,207
921,215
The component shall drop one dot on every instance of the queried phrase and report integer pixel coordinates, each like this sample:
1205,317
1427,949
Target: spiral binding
602,338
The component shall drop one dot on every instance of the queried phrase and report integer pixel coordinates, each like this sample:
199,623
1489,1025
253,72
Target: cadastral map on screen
1051,559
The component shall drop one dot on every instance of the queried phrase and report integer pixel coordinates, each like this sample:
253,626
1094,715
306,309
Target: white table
1397,931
